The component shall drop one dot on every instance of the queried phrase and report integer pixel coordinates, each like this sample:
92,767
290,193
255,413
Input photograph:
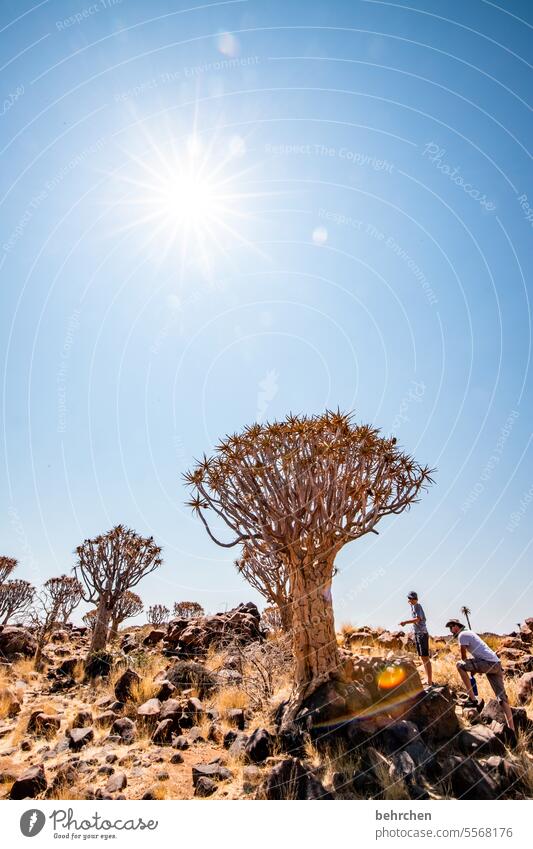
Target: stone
44,724
251,778
478,739
150,709
524,688
434,714
80,737
11,704
213,771
30,784
106,718
468,779
187,673
493,712
125,728
16,642
176,758
83,718
195,709
289,779
205,787
99,665
154,636
127,685
195,735
180,742
166,690
402,766
162,735
259,745
235,717
67,667
116,783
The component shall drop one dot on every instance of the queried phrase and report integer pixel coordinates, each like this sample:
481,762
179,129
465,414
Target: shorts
422,644
493,671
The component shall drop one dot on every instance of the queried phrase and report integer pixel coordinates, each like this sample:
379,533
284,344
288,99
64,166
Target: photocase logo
32,822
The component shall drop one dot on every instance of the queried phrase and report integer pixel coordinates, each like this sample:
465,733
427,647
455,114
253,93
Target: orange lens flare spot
391,677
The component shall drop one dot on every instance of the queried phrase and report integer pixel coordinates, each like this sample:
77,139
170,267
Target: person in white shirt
484,661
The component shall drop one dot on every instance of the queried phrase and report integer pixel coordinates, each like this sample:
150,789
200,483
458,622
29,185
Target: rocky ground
189,710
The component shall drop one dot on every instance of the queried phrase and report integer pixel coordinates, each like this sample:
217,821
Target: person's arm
463,653
411,621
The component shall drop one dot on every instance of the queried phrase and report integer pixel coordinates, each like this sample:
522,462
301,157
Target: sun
191,199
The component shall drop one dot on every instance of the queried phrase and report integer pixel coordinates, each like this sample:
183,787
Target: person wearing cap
420,634
483,661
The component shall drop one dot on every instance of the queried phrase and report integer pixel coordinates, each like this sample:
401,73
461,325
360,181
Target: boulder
162,735
83,718
289,779
468,779
10,702
16,642
80,737
106,718
186,674
99,665
214,771
116,783
434,714
205,787
236,717
194,637
154,636
479,739
150,710
125,728
493,712
524,690
259,745
127,685
29,784
44,724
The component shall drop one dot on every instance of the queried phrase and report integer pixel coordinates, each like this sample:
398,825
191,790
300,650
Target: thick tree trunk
285,612
101,625
314,640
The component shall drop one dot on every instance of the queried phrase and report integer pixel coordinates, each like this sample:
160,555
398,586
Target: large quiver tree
301,489
109,565
16,598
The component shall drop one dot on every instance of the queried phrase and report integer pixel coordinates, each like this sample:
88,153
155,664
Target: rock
180,742
59,637
434,714
235,716
154,636
10,703
29,784
194,637
392,640
43,724
67,667
524,688
195,709
468,779
237,747
215,733
80,737
150,710
127,685
292,740
176,758
188,673
83,718
125,728
205,787
172,709
106,718
402,766
493,712
251,777
116,783
166,690
15,642
478,739
162,735
195,735
291,780
259,745
506,775
99,665
213,771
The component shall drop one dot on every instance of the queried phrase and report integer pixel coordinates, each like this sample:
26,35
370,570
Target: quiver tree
58,596
188,609
271,618
158,614
89,618
128,605
15,599
109,565
302,489
7,564
269,575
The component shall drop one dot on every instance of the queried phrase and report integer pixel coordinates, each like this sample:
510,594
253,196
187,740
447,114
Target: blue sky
359,184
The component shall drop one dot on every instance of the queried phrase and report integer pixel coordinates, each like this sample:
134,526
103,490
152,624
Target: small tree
7,564
15,599
271,618
57,596
466,612
109,565
158,614
269,575
188,609
303,488
128,605
89,618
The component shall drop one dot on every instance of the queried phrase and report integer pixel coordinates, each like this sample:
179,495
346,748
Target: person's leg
497,683
465,678
429,670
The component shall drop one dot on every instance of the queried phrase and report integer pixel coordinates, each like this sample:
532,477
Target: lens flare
391,677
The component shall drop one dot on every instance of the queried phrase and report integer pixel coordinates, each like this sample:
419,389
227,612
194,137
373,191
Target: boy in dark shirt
420,633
